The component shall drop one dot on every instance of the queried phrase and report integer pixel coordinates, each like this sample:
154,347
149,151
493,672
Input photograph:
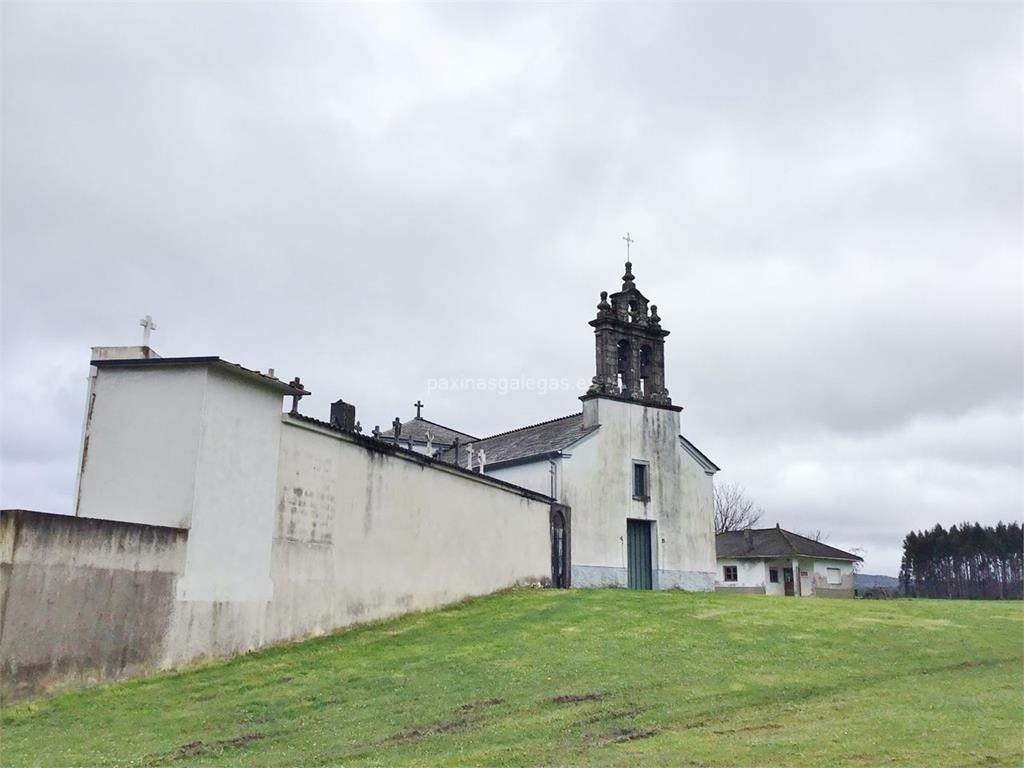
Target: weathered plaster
598,576
81,599
595,476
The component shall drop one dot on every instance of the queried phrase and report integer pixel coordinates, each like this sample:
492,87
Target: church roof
708,465
774,542
417,427
535,441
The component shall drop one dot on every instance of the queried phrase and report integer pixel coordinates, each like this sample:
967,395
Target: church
210,520
639,493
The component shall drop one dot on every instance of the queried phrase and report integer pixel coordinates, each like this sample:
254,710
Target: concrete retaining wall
82,600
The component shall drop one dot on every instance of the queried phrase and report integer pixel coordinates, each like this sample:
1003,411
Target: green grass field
605,677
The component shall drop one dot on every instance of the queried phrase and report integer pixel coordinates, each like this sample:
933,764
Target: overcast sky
826,201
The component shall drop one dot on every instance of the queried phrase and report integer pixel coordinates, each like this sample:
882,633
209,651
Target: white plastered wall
141,445
820,576
535,475
361,534
194,447
596,482
235,483
750,574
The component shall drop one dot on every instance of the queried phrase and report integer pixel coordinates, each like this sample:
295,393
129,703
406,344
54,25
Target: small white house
773,561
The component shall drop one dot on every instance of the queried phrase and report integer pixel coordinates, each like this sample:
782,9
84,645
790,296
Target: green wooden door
638,554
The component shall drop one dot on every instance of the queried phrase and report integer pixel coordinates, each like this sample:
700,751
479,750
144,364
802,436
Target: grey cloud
826,200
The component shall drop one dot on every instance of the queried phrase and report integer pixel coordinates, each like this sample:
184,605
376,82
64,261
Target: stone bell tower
630,347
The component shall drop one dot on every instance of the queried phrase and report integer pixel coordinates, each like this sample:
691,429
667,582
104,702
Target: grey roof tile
417,429
525,442
774,542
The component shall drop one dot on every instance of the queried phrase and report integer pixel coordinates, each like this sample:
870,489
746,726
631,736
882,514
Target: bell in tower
630,345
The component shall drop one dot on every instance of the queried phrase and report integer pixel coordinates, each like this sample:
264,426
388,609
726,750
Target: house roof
535,441
774,542
211,361
417,429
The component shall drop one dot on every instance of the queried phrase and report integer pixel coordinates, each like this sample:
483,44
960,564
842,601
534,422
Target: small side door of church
560,559
638,554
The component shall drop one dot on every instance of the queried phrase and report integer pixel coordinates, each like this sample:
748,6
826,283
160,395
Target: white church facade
209,522
639,494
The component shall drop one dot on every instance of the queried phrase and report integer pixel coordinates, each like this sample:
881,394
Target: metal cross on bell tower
629,241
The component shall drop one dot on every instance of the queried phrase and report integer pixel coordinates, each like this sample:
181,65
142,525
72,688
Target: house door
787,580
638,554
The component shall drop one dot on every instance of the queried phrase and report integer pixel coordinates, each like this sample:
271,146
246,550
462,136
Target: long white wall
361,533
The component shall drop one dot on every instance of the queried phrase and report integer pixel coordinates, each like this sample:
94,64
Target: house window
773,575
834,576
729,573
640,489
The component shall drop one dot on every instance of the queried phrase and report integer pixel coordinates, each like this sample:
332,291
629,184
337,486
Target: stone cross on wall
418,406
147,326
297,384
376,430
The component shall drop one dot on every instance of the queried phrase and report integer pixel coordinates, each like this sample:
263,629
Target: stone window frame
646,495
730,573
773,575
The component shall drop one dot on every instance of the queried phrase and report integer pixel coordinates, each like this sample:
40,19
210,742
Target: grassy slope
683,679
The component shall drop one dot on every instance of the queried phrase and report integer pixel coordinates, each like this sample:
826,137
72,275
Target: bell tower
630,344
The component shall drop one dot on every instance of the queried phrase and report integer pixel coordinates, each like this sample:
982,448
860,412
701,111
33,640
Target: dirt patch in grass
201,748
414,734
576,698
609,714
620,735
475,705
749,728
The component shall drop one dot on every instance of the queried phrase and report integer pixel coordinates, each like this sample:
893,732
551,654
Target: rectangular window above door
640,481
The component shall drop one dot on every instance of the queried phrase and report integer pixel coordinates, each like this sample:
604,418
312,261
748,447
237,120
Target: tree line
966,561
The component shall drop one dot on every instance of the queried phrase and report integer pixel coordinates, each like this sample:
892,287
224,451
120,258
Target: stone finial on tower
627,278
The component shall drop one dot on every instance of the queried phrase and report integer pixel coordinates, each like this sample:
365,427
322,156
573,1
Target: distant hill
874,581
